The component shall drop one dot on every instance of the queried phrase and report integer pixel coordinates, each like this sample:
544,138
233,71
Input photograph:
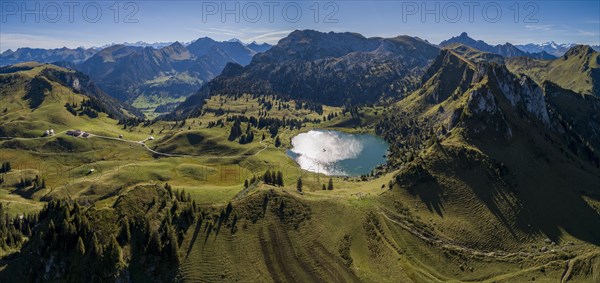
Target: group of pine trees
6,167
271,124
274,178
247,136
67,237
329,185
37,182
355,115
265,103
407,137
212,124
71,108
312,106
13,230
268,101
236,132
330,116
220,112
131,122
91,107
87,107
65,231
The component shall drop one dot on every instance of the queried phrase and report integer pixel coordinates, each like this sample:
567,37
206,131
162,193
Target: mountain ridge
172,72
506,50
26,54
581,62
330,68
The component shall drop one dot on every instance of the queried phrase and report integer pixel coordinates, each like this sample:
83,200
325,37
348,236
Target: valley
486,168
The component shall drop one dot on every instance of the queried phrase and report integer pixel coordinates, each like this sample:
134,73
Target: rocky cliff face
523,91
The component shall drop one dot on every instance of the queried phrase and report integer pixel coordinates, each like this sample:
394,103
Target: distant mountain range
329,68
506,50
146,76
156,45
80,54
548,50
26,54
551,47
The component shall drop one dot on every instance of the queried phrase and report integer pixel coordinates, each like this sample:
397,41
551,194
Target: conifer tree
277,142
279,178
125,233
97,248
155,245
172,247
80,246
114,254
299,185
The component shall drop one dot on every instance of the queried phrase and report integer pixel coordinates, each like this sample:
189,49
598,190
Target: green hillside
491,178
577,70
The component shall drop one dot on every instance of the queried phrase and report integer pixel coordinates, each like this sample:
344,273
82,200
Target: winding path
142,142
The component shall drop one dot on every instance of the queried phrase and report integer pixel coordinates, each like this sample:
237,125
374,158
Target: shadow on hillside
430,193
193,241
36,92
25,192
194,138
539,210
555,210
499,201
419,182
541,204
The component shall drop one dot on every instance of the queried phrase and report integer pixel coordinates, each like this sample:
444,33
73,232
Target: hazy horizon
39,24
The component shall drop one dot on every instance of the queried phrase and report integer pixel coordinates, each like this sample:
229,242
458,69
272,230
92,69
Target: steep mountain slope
577,115
488,153
577,70
77,55
506,50
36,97
329,68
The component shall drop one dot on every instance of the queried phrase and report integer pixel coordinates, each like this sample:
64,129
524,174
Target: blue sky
95,23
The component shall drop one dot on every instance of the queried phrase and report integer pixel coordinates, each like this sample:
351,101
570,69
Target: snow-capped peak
234,40
550,44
